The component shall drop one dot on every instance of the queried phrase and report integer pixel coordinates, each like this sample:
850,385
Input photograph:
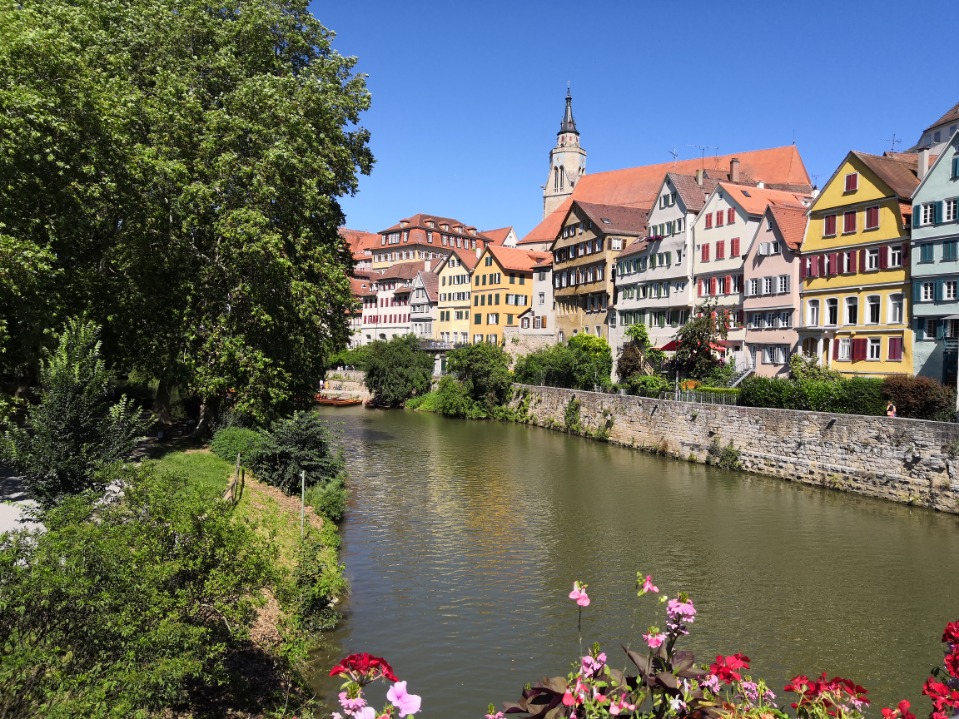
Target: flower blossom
591,667
654,640
900,712
406,703
679,613
364,668
351,704
727,668
579,594
648,586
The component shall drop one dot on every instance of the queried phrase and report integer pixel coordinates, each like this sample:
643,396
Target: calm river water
463,540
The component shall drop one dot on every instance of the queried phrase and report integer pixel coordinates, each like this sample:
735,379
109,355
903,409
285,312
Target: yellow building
854,267
502,290
455,293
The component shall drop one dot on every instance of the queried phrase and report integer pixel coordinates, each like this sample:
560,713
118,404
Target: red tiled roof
638,186
431,283
498,237
951,114
634,247
791,222
420,219
614,218
402,271
361,287
516,259
755,199
359,242
691,192
899,173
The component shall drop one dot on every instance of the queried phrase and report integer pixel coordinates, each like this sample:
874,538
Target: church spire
568,124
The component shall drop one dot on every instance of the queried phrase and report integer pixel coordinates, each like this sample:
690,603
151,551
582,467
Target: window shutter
955,168
862,260
915,215
920,328
834,263
895,348
734,247
802,267
917,291
544,322
938,212
705,253
814,266
835,348
859,349
883,257
940,290
729,284
730,216
940,329
702,287
712,285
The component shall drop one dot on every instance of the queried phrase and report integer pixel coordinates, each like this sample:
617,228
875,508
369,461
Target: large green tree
397,370
182,161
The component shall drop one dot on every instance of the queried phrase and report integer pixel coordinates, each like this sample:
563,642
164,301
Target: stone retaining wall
905,460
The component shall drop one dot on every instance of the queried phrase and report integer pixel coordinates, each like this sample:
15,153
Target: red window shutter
544,322
719,218
730,216
734,247
814,266
705,252
802,267
834,263
729,284
859,349
895,348
835,348
849,222
712,285
709,221
829,227
862,260
721,250
883,257
702,287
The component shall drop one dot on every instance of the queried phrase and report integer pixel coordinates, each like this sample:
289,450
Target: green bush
920,397
483,368
768,392
298,443
397,370
329,500
727,391
230,441
650,385
860,395
78,428
122,608
863,395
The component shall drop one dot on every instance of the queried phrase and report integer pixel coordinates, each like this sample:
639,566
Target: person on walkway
890,409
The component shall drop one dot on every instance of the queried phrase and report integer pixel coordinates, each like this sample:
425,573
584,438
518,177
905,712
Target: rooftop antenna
893,142
675,153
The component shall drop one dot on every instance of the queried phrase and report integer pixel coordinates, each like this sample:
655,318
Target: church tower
567,162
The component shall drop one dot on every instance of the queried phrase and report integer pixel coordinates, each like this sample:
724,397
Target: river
463,540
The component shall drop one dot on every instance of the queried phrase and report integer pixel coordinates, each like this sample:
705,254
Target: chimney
426,265
699,176
923,163
734,170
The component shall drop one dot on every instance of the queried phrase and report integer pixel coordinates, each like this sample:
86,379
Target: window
895,349
925,253
705,253
786,318
949,248
542,298
477,319
709,221
767,285
895,256
832,312
872,310
489,261
843,353
852,182
492,318
895,309
872,259
949,290
928,292
875,348
753,287
829,226
734,247
950,209
721,250
852,311
783,283
812,313
927,213
872,217
719,218
848,222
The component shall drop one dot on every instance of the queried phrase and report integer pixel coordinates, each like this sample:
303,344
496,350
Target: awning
672,345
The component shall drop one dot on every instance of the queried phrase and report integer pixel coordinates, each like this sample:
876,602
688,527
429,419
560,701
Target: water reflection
463,539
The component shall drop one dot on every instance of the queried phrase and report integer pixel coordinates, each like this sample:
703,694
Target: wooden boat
336,401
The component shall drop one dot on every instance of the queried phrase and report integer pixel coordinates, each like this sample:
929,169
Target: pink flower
497,715
567,699
406,703
655,641
648,585
351,705
364,713
579,594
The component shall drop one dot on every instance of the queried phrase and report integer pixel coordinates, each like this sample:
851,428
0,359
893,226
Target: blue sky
468,96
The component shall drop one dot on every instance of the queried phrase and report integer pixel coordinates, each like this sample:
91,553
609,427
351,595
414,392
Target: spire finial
568,124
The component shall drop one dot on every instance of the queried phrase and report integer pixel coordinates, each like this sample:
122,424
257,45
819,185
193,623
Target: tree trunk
161,403
207,413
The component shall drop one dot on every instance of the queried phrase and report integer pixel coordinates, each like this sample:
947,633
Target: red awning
716,347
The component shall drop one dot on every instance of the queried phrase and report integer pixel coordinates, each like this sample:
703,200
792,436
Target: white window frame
871,302
928,291
895,309
949,290
813,317
845,348
950,209
927,213
895,256
874,349
872,258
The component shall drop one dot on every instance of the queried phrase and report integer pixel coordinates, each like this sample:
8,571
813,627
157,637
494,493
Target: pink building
771,290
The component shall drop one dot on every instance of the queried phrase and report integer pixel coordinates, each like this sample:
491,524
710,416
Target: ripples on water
464,538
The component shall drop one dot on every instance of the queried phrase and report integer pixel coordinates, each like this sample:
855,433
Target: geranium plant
362,669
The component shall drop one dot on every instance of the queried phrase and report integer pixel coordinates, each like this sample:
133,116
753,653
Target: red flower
364,668
900,712
952,662
725,668
951,633
942,696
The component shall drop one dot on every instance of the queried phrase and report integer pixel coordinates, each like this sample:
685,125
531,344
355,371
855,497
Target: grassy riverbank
299,602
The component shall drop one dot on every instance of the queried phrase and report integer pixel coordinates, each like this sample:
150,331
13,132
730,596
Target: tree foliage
695,354
483,368
176,166
300,443
77,428
397,370
920,397
121,607
582,363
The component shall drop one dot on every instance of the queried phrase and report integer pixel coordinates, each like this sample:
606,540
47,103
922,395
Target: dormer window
852,182
430,223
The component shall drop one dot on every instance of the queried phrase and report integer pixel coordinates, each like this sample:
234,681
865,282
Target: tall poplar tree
180,162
